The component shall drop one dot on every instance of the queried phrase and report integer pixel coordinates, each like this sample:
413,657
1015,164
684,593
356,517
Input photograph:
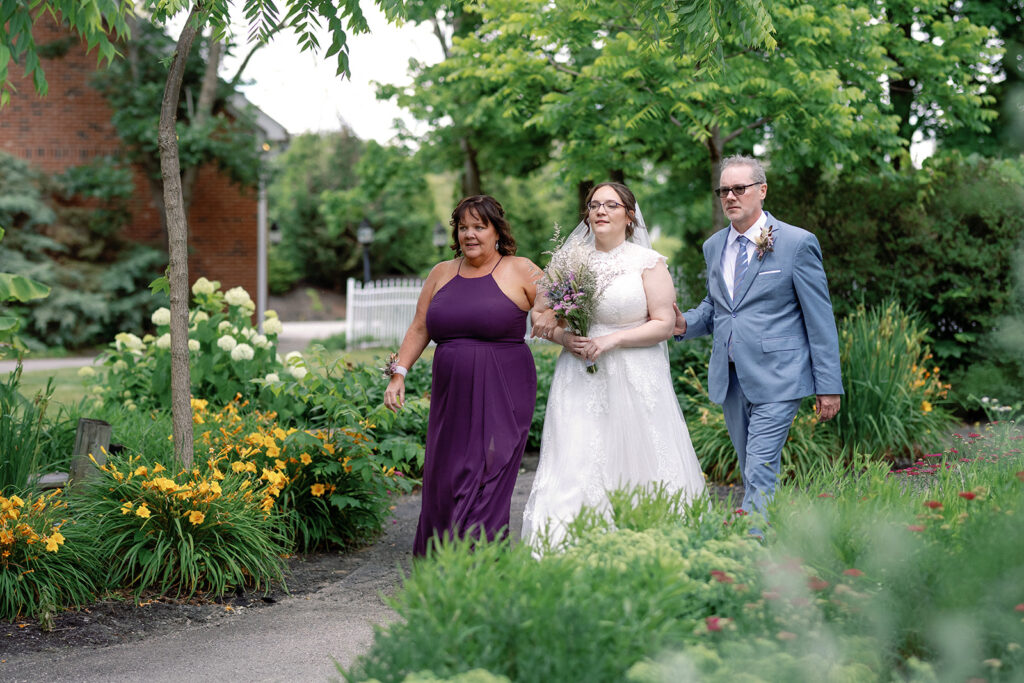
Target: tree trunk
470,170
204,109
716,147
177,242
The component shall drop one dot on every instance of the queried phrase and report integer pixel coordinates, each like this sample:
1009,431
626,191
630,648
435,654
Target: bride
620,426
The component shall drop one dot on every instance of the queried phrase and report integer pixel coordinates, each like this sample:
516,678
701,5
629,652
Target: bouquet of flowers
572,287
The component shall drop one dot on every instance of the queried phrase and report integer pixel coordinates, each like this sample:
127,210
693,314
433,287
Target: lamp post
365,236
440,238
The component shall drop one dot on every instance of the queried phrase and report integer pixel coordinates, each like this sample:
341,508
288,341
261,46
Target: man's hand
680,328
826,406
545,325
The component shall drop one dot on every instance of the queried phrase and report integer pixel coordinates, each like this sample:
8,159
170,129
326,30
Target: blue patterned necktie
741,265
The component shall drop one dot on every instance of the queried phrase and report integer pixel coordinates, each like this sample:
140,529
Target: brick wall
71,125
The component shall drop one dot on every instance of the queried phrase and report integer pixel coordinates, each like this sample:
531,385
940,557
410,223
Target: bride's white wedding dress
618,427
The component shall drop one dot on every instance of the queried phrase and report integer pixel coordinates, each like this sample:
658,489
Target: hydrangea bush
225,351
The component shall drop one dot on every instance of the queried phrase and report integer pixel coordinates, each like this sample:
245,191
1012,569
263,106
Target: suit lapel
715,267
754,267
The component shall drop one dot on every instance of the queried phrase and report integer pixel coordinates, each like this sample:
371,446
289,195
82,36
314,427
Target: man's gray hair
756,169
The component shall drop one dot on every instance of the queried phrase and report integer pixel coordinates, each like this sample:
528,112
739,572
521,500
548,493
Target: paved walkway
295,336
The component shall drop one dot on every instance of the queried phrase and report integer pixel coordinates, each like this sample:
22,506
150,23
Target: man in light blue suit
769,311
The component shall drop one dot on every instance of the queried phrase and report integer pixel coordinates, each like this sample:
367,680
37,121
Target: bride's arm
661,294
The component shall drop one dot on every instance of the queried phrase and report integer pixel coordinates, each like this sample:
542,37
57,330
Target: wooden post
92,436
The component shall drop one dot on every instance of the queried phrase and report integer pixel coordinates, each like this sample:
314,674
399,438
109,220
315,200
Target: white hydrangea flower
224,325
128,341
86,371
272,378
227,342
985,399
292,357
200,316
148,339
249,306
193,344
242,352
270,313
280,361
261,342
248,332
130,405
272,326
297,371
119,366
161,316
97,389
164,342
204,286
237,296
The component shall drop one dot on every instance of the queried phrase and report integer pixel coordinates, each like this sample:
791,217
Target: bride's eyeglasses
609,206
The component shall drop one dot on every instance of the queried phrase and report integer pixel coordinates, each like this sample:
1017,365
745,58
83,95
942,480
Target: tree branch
750,126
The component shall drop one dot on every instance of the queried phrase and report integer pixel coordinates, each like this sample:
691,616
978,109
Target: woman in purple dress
474,308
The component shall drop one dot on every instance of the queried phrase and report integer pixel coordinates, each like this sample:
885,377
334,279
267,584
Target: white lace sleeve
648,258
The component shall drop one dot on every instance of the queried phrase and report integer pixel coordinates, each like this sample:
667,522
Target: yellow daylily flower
196,517
143,511
317,490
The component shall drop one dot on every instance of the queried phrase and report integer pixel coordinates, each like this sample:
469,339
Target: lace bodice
623,303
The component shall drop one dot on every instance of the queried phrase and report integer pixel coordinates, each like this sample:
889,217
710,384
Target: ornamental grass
207,529
47,563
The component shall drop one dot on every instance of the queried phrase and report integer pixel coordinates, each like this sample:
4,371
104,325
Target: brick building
71,125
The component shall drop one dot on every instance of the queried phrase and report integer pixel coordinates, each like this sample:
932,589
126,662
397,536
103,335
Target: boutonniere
765,242
390,366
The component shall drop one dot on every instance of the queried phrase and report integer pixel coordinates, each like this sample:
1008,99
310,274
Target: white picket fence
378,313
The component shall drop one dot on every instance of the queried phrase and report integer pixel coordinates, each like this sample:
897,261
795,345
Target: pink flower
967,495
770,595
853,572
721,576
785,635
934,455
933,504
974,435
817,584
915,527
1019,608
715,623
825,495
740,512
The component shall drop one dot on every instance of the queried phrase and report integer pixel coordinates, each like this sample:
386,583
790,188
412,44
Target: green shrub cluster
866,576
63,231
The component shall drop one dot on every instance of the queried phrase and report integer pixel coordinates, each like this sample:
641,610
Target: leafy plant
47,562
22,433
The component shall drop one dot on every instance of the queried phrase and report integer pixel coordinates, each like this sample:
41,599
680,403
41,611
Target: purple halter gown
481,404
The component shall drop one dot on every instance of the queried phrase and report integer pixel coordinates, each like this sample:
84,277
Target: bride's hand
575,345
599,345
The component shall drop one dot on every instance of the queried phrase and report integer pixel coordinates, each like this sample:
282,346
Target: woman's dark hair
625,194
490,211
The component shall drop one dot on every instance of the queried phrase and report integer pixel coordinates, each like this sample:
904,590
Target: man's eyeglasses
609,206
737,190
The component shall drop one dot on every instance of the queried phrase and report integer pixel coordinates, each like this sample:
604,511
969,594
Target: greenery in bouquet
46,563
226,353
329,485
208,529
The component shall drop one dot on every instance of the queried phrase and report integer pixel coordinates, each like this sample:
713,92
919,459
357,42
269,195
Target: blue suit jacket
784,340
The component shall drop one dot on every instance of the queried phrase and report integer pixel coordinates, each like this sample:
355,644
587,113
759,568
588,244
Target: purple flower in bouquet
572,288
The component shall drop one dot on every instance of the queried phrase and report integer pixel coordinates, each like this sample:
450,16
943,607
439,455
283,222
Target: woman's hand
598,345
394,395
545,324
573,344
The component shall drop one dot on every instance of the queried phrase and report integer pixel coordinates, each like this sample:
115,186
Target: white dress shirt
732,247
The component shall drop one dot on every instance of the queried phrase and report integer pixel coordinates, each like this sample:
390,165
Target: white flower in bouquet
236,296
224,326
193,344
128,341
204,286
164,341
297,371
272,326
261,342
242,352
269,313
199,316
86,371
227,342
272,378
161,316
